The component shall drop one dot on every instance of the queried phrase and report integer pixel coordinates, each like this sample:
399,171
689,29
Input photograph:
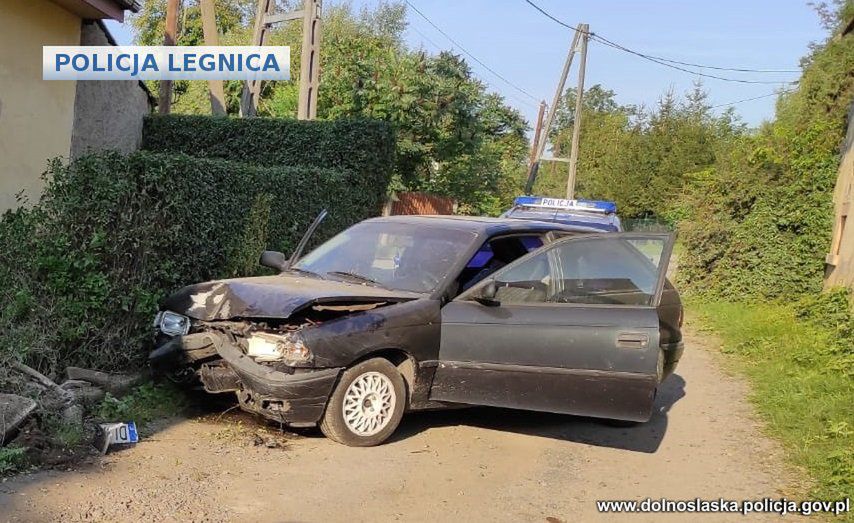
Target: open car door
570,328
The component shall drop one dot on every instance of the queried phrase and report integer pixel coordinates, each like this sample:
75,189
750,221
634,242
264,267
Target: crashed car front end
254,336
270,370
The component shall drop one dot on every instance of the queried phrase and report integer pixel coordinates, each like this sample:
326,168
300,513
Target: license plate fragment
117,434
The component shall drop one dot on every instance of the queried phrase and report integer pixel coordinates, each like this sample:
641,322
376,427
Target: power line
736,69
473,57
609,43
775,93
440,49
426,38
666,61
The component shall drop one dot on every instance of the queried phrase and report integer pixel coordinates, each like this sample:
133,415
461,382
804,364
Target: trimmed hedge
81,272
361,145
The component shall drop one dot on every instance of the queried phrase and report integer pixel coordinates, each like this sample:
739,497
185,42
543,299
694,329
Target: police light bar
568,205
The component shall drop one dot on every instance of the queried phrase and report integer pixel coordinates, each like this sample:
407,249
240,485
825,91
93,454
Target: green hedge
361,145
82,271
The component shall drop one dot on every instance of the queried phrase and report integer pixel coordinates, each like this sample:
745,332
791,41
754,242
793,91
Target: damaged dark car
406,313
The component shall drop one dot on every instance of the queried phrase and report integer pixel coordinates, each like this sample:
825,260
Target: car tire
367,404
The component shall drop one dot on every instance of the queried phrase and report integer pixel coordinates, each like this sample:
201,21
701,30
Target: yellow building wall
36,116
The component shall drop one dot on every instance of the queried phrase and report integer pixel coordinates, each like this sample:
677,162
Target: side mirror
274,260
487,294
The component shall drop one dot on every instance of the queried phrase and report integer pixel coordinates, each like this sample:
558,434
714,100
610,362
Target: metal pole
576,127
217,93
165,102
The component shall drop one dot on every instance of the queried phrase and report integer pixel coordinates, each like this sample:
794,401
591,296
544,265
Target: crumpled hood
271,296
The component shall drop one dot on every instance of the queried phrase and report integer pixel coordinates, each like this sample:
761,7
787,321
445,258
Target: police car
595,215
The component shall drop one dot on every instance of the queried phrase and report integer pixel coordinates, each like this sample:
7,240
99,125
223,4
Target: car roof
484,225
597,221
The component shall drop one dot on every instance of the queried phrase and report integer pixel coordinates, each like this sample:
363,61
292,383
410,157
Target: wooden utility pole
579,44
217,93
576,126
558,92
252,89
265,17
165,102
533,164
309,75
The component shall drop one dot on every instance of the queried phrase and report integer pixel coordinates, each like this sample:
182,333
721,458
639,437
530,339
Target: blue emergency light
568,205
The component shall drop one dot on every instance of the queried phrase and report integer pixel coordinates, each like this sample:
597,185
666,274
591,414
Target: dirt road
464,465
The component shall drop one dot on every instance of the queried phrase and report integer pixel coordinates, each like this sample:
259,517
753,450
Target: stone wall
107,114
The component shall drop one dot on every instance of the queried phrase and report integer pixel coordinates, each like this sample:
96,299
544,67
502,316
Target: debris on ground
84,392
115,384
111,434
14,410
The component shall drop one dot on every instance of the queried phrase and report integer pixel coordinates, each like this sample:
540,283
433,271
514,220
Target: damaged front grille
218,378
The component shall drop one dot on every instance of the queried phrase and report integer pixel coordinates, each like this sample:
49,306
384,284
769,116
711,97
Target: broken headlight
289,348
172,323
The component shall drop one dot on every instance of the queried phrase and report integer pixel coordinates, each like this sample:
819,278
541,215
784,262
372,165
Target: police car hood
277,296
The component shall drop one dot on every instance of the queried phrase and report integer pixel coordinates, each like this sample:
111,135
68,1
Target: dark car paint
411,325
277,296
550,357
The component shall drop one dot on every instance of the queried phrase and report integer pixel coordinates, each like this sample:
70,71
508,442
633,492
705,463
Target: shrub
759,223
82,272
360,145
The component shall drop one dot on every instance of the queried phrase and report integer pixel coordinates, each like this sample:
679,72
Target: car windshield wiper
354,276
304,271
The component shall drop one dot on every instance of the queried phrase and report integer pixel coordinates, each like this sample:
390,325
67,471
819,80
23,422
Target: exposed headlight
172,323
288,348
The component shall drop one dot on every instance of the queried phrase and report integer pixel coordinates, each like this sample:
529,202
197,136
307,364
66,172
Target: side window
495,254
529,282
608,270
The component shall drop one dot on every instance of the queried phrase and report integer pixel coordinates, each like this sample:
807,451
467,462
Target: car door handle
632,340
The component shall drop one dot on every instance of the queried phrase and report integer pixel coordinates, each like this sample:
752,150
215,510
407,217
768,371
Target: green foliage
82,272
12,459
759,221
801,372
61,433
360,145
640,158
142,405
452,136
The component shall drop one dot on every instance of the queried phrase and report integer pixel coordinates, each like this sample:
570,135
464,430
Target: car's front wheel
367,404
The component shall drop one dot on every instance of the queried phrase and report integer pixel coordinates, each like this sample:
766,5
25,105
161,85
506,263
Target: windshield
401,256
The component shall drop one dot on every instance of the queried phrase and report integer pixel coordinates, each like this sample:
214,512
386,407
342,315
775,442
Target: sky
528,49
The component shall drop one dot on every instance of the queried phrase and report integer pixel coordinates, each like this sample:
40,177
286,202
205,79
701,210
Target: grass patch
12,459
144,404
63,434
803,384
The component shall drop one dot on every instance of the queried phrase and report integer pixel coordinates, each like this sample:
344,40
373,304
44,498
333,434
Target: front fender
413,327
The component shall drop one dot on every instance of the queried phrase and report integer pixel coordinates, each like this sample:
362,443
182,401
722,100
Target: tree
453,137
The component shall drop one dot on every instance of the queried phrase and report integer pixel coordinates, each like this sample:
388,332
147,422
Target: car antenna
307,236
